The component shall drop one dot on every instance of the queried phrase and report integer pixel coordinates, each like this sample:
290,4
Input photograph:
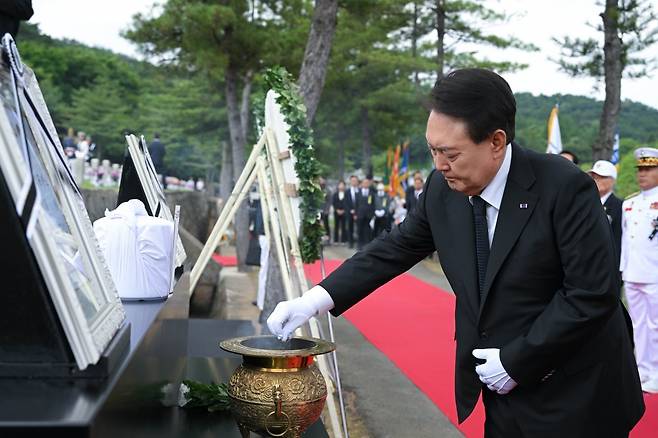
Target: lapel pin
523,205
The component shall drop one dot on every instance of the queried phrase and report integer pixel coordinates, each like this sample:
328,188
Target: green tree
105,94
228,41
628,27
450,32
316,55
387,55
104,114
368,85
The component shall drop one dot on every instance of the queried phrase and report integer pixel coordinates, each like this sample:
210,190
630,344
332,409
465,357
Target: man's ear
498,141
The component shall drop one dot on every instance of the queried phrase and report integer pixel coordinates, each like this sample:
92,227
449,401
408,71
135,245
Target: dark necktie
481,239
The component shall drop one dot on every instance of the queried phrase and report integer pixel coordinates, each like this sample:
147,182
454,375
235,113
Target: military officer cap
646,157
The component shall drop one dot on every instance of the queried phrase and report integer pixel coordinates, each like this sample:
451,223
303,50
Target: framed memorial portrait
153,191
57,226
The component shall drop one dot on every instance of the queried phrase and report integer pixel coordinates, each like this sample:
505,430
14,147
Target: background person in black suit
365,211
409,191
351,208
157,151
604,174
569,156
341,211
413,193
525,245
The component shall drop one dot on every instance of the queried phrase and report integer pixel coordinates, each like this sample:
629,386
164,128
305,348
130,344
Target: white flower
183,391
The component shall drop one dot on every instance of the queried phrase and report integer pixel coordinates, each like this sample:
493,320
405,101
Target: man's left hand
492,373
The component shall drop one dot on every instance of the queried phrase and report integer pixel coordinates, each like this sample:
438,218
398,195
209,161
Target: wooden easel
264,165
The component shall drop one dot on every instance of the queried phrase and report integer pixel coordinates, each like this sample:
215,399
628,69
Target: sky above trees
533,22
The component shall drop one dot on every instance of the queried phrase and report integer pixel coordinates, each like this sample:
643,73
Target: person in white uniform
639,265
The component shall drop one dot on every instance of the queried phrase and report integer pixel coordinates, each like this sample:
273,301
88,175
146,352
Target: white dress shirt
605,197
493,193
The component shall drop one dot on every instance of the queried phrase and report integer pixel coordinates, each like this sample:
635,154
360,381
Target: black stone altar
32,340
126,404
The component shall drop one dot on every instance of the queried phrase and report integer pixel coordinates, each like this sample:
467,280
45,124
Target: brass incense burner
277,391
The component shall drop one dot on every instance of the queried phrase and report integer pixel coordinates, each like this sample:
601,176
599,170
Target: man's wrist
320,299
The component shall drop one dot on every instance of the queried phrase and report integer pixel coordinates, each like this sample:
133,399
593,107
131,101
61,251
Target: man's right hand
289,315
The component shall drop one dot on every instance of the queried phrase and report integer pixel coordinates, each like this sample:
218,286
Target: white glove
379,213
288,315
492,373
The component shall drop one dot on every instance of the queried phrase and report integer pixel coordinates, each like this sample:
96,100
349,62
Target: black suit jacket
550,300
612,208
157,152
350,205
341,204
365,204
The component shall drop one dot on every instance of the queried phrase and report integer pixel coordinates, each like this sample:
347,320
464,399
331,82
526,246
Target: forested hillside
579,118
106,95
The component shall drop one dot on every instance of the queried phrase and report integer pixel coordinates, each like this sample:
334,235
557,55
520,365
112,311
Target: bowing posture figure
526,247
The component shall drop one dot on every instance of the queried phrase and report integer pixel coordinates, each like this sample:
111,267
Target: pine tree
229,41
628,27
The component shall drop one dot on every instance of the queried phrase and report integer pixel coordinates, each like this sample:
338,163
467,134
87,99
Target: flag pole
339,386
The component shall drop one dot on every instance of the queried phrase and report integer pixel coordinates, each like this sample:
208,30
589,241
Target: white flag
554,137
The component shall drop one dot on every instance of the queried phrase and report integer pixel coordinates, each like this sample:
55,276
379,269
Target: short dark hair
479,97
156,135
575,157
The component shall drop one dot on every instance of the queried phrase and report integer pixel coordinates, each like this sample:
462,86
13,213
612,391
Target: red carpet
424,316
225,260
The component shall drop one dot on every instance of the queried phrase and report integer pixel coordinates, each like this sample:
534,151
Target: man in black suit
604,174
365,211
571,156
413,193
157,151
525,245
350,203
341,210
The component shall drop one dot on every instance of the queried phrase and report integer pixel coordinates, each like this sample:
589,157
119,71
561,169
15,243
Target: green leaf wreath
307,167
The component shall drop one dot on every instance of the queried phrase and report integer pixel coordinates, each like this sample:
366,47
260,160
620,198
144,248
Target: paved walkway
386,402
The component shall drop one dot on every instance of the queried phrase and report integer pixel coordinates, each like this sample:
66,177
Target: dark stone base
110,360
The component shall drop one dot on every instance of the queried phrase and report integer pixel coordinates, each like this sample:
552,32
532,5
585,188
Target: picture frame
58,230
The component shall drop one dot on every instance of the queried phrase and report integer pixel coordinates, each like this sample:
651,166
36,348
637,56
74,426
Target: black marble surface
129,403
